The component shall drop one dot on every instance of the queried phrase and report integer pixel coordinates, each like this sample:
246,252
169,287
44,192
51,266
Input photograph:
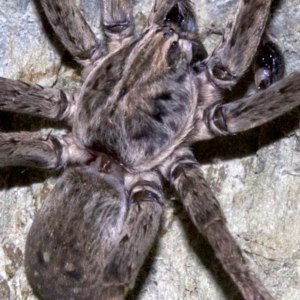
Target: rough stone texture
254,175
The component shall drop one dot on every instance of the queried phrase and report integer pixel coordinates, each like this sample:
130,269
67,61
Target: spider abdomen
59,263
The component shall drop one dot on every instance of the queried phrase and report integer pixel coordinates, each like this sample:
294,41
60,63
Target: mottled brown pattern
144,101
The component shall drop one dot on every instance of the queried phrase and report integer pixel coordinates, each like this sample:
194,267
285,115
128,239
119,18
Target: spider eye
174,45
199,54
181,15
173,53
174,16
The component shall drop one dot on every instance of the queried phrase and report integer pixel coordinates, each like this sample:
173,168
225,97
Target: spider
144,101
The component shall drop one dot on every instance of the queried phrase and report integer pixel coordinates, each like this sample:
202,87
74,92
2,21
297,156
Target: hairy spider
144,101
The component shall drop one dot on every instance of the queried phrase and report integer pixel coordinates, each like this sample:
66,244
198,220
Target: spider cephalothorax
145,99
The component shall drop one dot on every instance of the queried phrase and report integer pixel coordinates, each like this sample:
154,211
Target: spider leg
73,31
140,229
232,58
34,149
117,22
185,175
20,97
255,110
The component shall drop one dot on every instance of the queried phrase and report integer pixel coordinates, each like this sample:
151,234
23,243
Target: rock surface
254,175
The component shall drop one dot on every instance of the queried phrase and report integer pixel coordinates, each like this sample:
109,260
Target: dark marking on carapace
75,274
145,133
173,54
122,93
